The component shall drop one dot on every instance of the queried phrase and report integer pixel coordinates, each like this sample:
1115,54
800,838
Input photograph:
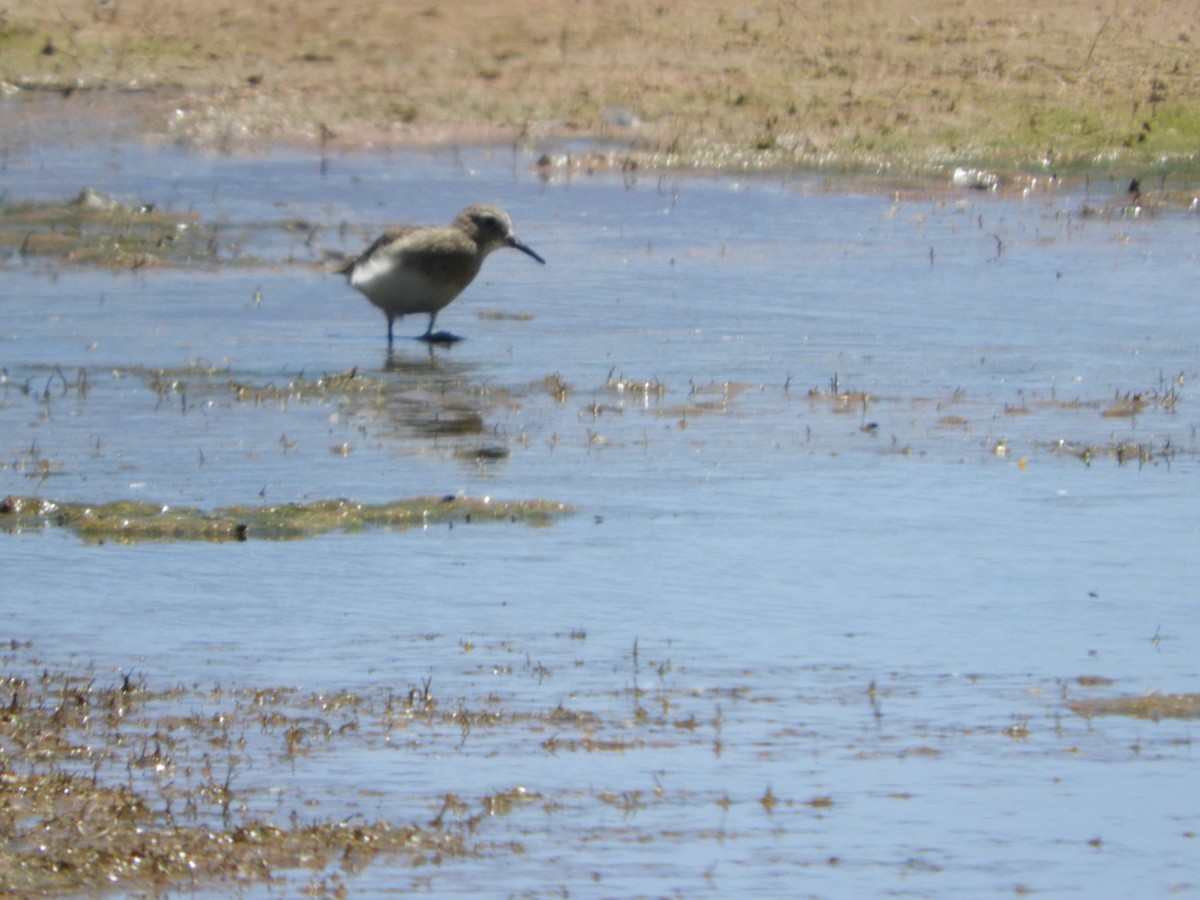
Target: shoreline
917,88
107,115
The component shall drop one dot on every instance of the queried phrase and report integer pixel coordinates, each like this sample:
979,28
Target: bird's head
491,229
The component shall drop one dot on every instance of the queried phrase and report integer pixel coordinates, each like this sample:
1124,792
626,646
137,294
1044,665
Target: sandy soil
908,84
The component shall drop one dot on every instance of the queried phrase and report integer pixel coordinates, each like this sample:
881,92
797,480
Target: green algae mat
128,521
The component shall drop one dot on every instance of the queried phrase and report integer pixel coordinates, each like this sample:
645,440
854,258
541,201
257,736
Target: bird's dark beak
518,245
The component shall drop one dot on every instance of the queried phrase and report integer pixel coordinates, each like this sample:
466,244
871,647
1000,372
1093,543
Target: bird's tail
343,262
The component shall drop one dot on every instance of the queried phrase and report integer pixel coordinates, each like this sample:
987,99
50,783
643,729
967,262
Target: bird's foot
439,337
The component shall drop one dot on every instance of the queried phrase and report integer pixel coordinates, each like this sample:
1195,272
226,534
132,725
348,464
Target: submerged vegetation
92,229
121,785
129,521
111,781
422,407
1147,706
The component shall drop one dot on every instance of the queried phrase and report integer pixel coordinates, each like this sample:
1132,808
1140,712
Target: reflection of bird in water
421,268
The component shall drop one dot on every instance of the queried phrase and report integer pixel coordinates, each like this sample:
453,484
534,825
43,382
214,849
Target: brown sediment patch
841,399
127,787
953,421
113,783
352,381
913,85
1123,452
1147,706
92,229
422,400
635,387
1124,407
128,521
201,380
116,785
499,315
702,399
842,402
1094,681
416,400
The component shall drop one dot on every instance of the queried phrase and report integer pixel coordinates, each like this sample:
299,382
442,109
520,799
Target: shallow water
688,373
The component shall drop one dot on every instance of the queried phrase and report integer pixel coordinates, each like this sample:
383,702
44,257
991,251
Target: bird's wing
444,254
388,237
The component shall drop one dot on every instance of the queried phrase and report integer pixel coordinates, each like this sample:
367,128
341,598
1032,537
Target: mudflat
916,85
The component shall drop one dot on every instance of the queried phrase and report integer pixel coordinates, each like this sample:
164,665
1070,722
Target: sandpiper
421,268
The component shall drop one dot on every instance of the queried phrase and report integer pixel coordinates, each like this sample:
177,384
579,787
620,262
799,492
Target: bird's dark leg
390,319
437,337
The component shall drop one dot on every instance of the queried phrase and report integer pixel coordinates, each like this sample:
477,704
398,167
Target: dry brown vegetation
111,782
115,785
914,84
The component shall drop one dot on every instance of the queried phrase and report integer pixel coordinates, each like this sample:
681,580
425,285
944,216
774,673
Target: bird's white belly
401,290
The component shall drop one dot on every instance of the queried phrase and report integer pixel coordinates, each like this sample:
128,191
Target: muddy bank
918,85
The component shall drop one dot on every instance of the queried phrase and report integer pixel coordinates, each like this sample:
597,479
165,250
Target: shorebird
421,268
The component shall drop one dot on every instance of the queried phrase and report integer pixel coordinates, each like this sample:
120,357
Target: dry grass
910,84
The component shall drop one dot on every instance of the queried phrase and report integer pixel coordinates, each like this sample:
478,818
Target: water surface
827,451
